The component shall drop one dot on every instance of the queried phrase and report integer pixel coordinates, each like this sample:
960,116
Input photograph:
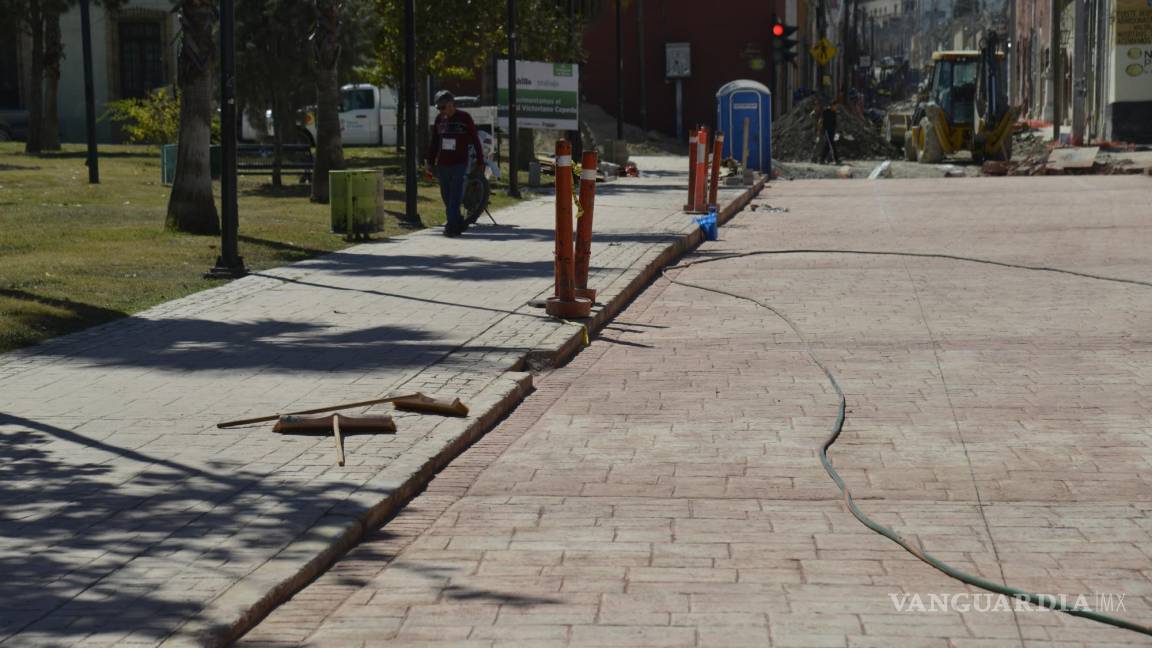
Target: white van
367,115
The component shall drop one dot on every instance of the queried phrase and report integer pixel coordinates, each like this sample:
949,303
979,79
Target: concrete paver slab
664,488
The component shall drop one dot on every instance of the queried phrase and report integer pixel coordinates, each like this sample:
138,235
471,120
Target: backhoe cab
963,108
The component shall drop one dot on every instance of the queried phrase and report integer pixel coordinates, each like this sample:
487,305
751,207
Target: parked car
13,125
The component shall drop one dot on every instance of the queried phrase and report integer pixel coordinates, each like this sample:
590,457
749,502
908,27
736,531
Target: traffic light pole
783,54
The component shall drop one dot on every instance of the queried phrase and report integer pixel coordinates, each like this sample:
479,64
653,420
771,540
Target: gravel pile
794,136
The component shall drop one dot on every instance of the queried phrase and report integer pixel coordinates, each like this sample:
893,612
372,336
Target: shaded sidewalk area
129,519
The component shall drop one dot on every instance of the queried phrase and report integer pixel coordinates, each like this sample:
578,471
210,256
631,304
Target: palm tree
53,53
326,46
191,206
35,19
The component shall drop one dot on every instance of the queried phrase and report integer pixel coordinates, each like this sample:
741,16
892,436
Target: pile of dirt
600,126
794,135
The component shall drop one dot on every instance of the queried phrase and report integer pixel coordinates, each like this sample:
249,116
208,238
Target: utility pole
846,55
89,93
1054,68
1079,71
410,209
821,29
1012,54
619,70
513,135
643,67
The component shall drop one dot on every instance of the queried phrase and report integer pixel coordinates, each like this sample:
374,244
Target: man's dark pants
829,147
452,178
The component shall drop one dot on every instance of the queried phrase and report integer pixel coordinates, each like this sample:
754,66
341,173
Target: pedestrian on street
828,126
452,134
817,131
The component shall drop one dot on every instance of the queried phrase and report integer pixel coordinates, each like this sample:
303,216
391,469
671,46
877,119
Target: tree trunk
191,206
36,87
53,52
329,150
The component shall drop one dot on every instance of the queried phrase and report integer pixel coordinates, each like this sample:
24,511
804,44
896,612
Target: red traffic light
778,30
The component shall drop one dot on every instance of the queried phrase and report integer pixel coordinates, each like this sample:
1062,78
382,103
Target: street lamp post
513,135
410,209
228,264
89,93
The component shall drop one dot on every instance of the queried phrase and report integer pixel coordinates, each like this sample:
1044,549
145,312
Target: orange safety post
691,174
565,303
714,184
588,165
701,169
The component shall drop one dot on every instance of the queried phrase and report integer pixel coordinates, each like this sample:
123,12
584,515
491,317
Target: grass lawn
73,255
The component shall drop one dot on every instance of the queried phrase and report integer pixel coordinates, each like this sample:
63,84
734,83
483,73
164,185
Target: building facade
133,52
737,45
1105,65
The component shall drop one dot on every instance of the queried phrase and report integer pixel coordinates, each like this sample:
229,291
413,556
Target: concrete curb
337,533
333,535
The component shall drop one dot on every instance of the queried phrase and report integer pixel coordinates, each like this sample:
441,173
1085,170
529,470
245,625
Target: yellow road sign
823,51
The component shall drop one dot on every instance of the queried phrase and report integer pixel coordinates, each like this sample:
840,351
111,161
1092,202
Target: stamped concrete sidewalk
129,519
664,488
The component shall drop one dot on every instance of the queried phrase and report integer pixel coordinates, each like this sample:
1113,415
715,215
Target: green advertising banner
547,95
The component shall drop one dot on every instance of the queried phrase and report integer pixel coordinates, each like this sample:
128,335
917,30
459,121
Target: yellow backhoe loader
963,108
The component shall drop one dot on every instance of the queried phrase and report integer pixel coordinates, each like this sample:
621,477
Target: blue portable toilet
748,102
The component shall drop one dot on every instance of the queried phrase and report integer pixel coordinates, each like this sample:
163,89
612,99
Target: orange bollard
714,183
584,223
565,304
691,174
701,169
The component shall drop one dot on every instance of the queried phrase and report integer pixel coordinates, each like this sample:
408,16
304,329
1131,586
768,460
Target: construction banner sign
547,94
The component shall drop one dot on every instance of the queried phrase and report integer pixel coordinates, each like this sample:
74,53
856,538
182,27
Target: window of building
141,57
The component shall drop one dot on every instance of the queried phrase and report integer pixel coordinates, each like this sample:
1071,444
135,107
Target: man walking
452,134
828,128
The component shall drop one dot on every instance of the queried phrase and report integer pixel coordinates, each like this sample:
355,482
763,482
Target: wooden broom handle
338,438
318,410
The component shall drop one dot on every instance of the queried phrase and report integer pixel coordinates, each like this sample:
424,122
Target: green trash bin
356,201
168,162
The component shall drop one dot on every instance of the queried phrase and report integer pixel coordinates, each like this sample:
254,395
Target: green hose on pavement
1042,600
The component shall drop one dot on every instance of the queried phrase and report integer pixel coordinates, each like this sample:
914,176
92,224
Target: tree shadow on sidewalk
448,266
515,233
393,295
84,551
199,345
